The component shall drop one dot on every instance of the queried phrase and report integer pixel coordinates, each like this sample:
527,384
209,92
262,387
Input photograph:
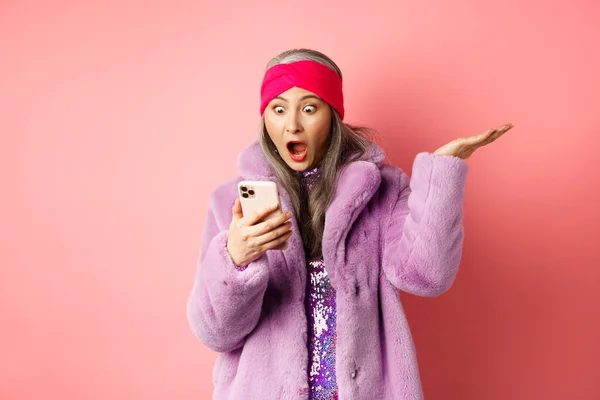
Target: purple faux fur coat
383,232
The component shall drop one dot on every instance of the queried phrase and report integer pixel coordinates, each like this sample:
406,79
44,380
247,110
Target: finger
273,234
485,135
501,131
236,211
257,216
277,242
488,133
485,138
495,136
477,140
269,225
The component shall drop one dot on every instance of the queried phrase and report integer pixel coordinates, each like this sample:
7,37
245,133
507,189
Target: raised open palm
464,147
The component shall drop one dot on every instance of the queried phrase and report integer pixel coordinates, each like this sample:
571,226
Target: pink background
117,119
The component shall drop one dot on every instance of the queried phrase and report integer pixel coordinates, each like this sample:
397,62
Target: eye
310,109
278,109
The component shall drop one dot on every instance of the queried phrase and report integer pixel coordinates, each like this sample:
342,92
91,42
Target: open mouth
297,150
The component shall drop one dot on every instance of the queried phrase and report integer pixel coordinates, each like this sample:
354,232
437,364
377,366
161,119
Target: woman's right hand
248,239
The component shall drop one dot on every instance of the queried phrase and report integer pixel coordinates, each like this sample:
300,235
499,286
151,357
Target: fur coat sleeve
225,304
424,237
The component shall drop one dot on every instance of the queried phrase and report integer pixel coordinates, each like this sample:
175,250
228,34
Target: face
299,123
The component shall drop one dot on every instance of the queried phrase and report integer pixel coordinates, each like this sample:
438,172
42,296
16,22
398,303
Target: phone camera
245,195
244,189
251,192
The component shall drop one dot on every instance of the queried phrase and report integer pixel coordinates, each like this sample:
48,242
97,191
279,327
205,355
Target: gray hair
346,143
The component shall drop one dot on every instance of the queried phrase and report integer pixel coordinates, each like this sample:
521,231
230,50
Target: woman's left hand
464,147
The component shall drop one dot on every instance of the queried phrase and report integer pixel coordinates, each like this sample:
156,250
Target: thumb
236,211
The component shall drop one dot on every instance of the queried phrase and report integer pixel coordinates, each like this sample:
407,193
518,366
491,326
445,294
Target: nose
292,123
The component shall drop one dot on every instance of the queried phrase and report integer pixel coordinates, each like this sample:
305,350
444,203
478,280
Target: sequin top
321,315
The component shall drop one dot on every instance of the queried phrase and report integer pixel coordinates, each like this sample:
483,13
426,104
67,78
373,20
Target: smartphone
256,196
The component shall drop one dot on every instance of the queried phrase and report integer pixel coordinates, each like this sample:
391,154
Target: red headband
309,75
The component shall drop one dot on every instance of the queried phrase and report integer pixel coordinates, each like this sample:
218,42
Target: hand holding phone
258,224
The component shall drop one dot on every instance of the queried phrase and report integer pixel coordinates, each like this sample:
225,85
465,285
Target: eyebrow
308,96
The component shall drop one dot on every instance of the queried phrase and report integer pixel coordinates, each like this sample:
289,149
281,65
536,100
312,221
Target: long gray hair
346,143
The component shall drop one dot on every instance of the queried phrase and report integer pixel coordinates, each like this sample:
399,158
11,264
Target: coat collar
356,185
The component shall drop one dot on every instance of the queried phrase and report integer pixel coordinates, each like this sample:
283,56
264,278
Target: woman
323,318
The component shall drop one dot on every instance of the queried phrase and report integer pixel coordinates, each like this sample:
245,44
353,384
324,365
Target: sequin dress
321,313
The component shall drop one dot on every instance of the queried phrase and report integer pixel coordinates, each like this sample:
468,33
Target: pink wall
117,120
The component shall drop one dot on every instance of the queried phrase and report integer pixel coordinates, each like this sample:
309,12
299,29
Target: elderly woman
323,319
